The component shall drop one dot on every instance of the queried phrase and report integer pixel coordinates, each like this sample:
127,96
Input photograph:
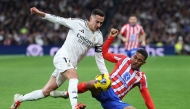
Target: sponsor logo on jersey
81,31
84,41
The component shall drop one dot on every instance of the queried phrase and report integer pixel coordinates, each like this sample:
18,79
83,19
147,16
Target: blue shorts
130,53
109,100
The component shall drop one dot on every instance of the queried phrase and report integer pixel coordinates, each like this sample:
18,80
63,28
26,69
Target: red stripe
131,70
124,67
132,81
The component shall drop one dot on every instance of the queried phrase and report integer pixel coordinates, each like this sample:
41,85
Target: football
102,82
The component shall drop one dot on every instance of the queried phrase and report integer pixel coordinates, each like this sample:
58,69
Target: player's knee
70,74
90,84
46,92
129,107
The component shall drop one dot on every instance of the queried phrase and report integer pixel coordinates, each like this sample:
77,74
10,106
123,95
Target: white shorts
61,64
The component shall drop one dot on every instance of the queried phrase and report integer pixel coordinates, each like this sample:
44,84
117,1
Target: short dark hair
132,15
98,12
143,52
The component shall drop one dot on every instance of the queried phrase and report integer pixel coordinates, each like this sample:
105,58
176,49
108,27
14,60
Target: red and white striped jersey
124,78
132,33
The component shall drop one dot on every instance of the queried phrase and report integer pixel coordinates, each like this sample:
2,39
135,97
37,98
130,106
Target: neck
88,24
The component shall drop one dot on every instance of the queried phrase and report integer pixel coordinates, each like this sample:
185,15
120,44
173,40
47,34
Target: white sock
35,95
73,92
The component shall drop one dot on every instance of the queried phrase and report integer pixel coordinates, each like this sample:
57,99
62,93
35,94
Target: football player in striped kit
82,36
132,34
125,76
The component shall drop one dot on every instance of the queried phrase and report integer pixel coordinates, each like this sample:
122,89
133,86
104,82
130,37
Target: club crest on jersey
94,38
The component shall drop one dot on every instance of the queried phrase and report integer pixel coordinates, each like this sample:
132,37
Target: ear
90,18
144,62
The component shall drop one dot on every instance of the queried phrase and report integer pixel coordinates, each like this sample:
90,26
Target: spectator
162,19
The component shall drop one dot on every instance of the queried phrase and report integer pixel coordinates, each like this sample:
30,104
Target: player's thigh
70,73
59,78
129,107
64,67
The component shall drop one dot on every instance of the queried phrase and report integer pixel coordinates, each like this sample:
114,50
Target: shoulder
79,20
125,25
121,58
99,33
138,25
143,76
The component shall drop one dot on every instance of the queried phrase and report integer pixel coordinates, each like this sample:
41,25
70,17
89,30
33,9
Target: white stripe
12,56
120,67
129,87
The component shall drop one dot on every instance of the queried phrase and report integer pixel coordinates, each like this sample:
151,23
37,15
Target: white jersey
79,40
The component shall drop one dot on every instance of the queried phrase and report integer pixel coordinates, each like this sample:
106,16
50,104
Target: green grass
168,82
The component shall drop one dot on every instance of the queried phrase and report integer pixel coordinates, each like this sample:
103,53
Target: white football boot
61,94
16,102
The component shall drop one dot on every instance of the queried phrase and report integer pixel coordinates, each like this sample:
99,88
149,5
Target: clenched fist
114,32
34,10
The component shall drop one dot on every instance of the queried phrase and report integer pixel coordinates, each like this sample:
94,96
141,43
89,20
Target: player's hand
114,32
124,39
34,10
143,43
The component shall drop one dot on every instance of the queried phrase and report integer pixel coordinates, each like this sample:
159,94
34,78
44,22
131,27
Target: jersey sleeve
110,56
123,30
99,58
67,22
141,30
145,93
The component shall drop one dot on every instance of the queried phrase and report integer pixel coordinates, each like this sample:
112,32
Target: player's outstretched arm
106,55
54,19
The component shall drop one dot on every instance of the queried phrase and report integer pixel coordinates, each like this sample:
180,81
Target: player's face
137,61
133,20
96,22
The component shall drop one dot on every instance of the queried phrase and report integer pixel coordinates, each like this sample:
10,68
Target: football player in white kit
81,37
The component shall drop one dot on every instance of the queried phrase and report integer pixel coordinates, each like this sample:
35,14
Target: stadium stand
163,20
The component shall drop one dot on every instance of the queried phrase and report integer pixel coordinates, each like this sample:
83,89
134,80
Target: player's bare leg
82,87
129,107
35,95
72,76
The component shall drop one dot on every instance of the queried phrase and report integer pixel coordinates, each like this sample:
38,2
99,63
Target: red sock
82,87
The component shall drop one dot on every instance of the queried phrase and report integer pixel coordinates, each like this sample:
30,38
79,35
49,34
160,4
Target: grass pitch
168,82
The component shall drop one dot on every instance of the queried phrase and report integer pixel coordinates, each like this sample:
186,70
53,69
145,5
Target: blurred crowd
19,27
164,21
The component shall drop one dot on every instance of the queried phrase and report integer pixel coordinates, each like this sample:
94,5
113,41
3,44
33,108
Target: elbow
104,54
